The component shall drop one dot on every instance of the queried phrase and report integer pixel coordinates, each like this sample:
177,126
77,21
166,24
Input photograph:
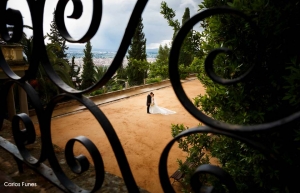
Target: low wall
124,91
107,95
114,93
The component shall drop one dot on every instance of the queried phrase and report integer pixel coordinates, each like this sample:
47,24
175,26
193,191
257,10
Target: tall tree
42,83
55,38
187,48
169,15
186,16
88,67
121,73
137,49
160,66
137,57
74,73
186,51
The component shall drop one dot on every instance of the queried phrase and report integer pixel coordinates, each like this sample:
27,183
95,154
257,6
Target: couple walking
152,108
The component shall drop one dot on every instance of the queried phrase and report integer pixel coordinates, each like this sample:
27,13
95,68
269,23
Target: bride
154,109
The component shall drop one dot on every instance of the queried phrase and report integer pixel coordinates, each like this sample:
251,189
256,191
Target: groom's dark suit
148,102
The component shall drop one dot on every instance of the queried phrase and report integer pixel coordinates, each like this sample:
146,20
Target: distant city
104,57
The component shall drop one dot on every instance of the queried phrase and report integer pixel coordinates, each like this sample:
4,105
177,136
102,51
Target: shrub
195,146
97,92
153,80
270,93
183,71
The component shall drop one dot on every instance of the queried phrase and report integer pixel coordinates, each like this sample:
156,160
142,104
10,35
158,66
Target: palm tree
45,87
99,72
60,65
112,84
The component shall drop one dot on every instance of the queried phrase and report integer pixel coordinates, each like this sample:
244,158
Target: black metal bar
20,165
42,169
79,164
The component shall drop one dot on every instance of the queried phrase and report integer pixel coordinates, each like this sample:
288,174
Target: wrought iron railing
81,164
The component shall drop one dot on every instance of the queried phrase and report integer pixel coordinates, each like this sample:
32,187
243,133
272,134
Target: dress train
154,109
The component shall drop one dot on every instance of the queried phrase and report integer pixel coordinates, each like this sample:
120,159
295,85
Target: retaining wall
107,95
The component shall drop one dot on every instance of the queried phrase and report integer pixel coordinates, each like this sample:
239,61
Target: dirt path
143,136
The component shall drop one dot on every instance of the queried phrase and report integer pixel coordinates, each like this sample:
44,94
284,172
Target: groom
148,102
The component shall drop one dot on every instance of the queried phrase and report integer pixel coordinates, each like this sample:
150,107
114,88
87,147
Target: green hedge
153,80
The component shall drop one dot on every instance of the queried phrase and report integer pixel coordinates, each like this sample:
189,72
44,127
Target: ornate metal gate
39,56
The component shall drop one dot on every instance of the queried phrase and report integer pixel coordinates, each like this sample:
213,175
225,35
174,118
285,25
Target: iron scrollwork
238,132
79,164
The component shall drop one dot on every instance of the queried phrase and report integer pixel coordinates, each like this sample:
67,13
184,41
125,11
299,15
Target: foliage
115,87
195,146
160,66
183,71
196,44
121,73
196,65
292,93
46,88
74,73
153,80
186,51
98,92
190,45
27,45
137,49
42,84
58,54
88,67
58,59
270,93
55,38
112,85
60,66
99,72
137,57
136,71
169,15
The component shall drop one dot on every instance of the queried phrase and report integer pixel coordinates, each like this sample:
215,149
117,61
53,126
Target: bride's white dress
154,109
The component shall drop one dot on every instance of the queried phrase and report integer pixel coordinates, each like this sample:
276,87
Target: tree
27,47
88,67
169,15
46,88
137,57
270,93
42,83
74,72
55,38
136,71
121,73
99,72
160,66
187,48
186,51
112,85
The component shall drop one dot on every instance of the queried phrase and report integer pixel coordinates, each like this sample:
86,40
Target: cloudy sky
115,17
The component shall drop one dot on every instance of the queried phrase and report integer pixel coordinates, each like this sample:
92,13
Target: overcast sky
115,17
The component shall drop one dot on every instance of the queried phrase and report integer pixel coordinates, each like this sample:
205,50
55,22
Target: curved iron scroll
238,132
79,164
